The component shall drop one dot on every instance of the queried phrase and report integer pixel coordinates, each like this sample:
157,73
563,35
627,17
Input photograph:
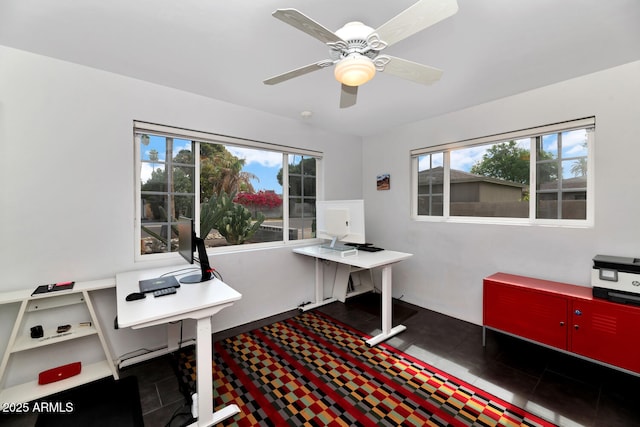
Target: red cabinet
563,316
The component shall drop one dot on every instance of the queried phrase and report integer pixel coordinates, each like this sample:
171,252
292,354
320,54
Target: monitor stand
339,247
205,269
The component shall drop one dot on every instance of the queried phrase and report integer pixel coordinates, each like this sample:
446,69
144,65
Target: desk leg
387,310
204,358
319,289
319,281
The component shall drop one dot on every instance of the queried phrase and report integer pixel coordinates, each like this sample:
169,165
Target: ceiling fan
355,48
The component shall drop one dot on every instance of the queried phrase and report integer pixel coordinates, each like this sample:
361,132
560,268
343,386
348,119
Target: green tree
157,182
221,171
579,167
212,211
153,157
505,161
237,226
232,220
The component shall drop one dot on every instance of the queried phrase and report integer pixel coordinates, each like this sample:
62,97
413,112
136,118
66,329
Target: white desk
199,301
367,260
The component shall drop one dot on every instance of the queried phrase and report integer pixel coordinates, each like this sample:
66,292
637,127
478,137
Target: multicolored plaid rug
313,370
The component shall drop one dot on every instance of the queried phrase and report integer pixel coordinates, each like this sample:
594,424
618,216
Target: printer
616,279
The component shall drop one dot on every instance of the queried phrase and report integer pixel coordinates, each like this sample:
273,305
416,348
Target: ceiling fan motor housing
356,35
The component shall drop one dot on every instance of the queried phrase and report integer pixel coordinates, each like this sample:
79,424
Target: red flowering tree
260,200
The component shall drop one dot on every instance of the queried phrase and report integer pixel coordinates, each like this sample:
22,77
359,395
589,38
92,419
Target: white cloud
145,172
464,159
265,158
573,143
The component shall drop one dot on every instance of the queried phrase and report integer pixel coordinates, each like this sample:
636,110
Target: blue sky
264,164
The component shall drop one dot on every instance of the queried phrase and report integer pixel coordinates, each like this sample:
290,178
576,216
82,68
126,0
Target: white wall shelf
49,309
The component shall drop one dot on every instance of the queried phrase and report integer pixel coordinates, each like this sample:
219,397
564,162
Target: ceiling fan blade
416,18
348,95
298,72
302,22
413,71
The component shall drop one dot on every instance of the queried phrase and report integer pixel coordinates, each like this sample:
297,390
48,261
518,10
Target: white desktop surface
199,301
191,301
363,259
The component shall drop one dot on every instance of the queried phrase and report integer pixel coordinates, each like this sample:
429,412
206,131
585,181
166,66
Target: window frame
199,137
533,133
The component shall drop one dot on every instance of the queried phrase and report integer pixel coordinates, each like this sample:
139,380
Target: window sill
508,221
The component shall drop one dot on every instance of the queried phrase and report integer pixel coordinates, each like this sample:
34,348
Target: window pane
154,224
547,176
562,176
430,184
574,205
184,206
295,185
430,205
302,197
547,206
549,147
491,180
574,143
153,148
167,190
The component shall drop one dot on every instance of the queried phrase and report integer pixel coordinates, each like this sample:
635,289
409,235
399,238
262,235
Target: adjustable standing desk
199,301
362,259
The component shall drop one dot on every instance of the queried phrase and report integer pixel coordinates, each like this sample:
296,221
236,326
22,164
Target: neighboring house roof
458,176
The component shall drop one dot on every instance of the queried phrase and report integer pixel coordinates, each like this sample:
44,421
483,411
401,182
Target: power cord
183,410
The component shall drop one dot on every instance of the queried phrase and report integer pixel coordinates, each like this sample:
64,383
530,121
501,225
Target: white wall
67,172
451,259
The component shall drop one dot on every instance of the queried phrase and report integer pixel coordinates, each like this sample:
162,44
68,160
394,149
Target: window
430,184
239,192
538,175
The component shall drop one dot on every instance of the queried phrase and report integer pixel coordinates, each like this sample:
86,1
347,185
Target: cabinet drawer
607,332
531,314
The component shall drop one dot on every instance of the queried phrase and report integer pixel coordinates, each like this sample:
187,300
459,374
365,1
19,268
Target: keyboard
366,247
370,249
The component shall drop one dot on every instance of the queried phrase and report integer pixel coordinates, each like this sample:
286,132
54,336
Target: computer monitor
341,221
188,244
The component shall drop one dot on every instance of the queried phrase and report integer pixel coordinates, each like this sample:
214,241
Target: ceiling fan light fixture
355,70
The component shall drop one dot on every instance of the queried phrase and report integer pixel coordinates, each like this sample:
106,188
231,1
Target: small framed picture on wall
383,182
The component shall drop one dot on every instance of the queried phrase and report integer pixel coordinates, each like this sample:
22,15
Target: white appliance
616,279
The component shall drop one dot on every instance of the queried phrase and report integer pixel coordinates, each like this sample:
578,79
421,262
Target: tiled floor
563,389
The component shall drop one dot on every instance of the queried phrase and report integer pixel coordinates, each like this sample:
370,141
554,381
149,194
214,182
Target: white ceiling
224,49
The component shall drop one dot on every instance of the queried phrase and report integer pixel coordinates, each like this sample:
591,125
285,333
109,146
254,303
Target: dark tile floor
563,389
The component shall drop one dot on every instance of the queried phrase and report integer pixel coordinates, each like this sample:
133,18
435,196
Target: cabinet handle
578,313
561,323
576,327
